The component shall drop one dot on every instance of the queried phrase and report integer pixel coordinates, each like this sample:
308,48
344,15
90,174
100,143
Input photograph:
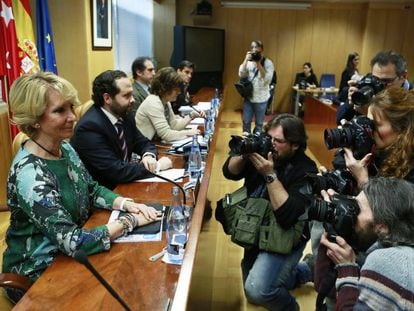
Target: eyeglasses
388,80
279,140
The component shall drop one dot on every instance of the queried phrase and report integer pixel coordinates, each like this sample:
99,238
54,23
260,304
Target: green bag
251,222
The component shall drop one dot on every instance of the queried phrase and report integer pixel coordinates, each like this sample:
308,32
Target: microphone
81,257
171,181
176,149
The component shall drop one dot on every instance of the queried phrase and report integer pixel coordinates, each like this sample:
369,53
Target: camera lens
336,138
321,210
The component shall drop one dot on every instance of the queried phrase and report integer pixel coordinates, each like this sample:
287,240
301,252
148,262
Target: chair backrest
327,80
80,110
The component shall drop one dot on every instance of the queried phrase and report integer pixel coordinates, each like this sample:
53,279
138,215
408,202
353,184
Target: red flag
10,51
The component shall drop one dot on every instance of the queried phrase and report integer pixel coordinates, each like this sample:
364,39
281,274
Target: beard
282,157
366,237
120,111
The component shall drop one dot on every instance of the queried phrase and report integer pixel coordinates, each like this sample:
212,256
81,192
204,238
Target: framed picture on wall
101,24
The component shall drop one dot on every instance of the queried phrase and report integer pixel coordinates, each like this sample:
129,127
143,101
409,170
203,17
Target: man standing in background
143,72
259,70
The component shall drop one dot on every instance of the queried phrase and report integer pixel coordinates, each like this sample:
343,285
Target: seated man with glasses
389,67
278,177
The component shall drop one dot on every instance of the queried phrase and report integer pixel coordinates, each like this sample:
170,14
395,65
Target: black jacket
97,143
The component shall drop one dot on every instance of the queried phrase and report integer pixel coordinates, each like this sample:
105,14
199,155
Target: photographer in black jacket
278,177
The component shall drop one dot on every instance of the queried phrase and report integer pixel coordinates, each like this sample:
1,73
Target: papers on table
201,106
197,121
172,174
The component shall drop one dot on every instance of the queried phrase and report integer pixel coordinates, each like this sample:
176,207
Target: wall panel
323,35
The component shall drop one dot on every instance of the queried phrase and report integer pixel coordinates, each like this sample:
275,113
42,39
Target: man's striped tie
120,128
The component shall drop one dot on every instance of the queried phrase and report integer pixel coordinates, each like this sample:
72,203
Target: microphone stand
171,181
81,257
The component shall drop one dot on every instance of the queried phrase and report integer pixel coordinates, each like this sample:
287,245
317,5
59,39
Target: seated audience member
306,75
143,72
155,116
385,224
390,68
268,277
50,192
185,69
106,136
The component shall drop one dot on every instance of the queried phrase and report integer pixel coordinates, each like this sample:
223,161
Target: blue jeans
268,277
256,109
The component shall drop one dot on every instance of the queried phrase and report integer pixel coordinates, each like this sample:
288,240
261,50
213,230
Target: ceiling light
266,5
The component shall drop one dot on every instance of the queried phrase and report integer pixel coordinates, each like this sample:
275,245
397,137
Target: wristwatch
270,178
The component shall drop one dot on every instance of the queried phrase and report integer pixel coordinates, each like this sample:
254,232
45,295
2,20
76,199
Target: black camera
356,134
260,143
368,86
339,217
255,56
303,84
341,181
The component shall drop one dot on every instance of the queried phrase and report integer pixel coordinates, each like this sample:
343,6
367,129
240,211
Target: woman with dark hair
351,70
307,75
155,116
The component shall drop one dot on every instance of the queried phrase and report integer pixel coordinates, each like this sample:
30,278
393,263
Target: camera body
255,56
302,84
368,86
339,217
339,180
260,143
356,134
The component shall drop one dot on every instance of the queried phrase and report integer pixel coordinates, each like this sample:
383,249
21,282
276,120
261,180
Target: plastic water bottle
176,229
188,207
194,161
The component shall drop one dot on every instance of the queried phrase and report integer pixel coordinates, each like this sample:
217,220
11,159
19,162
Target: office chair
327,81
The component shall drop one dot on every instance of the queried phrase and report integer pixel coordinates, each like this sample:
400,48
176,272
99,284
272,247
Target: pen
158,255
196,110
181,177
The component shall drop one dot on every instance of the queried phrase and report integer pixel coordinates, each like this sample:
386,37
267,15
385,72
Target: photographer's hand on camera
340,252
358,168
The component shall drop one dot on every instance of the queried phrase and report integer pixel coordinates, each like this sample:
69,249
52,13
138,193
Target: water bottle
188,207
176,229
194,161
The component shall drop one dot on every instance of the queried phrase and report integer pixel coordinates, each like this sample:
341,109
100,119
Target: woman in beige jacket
155,117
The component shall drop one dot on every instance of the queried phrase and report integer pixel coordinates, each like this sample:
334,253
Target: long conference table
142,284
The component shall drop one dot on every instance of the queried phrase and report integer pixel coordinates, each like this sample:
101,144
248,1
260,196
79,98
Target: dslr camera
368,86
260,143
339,180
357,134
255,56
339,217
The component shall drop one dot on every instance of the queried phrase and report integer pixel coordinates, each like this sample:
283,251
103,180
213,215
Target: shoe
309,260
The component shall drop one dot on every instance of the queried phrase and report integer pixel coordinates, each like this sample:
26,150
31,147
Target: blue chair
327,81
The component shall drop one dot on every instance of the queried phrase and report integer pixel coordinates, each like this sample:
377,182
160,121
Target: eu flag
45,46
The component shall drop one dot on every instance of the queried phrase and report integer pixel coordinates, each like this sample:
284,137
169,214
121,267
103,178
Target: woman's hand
199,114
142,220
358,168
148,212
339,252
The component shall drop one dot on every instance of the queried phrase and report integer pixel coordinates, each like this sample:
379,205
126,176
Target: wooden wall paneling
163,40
320,41
286,55
394,25
408,43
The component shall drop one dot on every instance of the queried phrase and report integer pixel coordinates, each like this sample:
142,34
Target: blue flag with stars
45,46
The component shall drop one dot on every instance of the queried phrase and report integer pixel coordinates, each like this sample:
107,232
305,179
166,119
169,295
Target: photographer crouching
274,167
385,223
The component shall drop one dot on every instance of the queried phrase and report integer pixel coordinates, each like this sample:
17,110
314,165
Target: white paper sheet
172,174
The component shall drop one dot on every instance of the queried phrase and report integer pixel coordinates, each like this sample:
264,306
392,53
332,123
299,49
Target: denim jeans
256,109
268,277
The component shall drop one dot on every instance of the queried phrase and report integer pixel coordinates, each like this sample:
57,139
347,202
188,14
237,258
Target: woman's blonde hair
29,97
397,106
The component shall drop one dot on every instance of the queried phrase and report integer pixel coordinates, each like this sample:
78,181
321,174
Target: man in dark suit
185,69
103,143
143,72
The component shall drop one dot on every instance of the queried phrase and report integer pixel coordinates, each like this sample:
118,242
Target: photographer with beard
279,177
385,223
